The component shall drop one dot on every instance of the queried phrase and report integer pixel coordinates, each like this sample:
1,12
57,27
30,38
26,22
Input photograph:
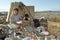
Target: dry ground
54,28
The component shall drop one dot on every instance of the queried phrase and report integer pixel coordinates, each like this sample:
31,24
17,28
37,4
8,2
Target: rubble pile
30,32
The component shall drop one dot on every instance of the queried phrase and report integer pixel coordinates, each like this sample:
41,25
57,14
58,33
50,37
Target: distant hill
3,13
48,12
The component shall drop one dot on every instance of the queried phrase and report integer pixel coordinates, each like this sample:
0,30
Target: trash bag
36,23
2,35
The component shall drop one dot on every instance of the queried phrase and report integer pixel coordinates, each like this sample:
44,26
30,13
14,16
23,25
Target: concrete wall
27,9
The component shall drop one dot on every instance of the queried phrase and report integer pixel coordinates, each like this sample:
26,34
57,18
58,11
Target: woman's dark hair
26,15
16,9
36,23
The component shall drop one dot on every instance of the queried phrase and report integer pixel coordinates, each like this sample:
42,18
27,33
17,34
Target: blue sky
40,5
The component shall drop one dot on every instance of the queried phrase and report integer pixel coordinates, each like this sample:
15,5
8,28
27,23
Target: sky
40,5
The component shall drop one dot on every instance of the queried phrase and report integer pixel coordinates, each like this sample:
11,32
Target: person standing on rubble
15,19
